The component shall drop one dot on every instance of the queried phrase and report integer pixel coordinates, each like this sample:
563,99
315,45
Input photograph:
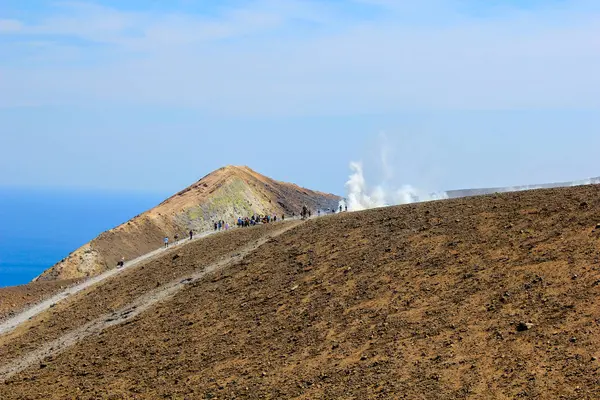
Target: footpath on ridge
102,302
12,322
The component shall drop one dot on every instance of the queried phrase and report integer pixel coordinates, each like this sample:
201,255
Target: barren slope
113,294
419,302
225,194
15,298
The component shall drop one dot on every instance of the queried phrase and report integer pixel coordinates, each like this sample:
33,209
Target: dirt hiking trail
12,323
125,314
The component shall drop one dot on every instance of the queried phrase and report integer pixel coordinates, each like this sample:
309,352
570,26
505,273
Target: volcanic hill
490,297
225,194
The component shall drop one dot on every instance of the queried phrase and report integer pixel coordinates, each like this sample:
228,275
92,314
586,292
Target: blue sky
151,95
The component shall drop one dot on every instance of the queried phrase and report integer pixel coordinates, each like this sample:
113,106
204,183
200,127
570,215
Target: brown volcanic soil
113,294
16,298
419,302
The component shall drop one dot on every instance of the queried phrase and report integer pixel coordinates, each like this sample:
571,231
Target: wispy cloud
298,57
10,26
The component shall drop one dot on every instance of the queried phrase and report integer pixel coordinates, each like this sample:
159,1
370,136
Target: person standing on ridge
191,234
166,240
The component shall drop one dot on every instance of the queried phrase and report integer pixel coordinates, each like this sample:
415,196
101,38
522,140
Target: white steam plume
361,197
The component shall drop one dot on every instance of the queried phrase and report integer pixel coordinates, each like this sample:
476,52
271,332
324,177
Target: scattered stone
524,326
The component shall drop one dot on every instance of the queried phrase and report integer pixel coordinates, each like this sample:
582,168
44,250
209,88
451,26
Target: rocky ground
495,297
16,298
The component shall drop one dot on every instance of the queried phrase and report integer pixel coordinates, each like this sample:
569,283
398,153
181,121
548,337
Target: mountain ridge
224,194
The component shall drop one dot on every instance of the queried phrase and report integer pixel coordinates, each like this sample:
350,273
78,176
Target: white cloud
10,26
261,59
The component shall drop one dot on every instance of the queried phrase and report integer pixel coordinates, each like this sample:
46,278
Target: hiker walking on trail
166,240
176,237
121,262
191,234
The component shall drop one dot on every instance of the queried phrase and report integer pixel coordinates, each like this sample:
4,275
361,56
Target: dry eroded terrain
419,302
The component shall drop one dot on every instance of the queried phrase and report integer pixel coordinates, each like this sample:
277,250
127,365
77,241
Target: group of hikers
176,237
243,222
307,213
220,224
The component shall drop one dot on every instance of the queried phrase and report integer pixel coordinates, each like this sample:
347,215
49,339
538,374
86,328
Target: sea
39,227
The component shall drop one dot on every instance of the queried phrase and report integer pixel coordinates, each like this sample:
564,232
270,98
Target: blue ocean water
39,227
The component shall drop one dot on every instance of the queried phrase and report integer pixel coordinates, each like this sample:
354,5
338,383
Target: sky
152,95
